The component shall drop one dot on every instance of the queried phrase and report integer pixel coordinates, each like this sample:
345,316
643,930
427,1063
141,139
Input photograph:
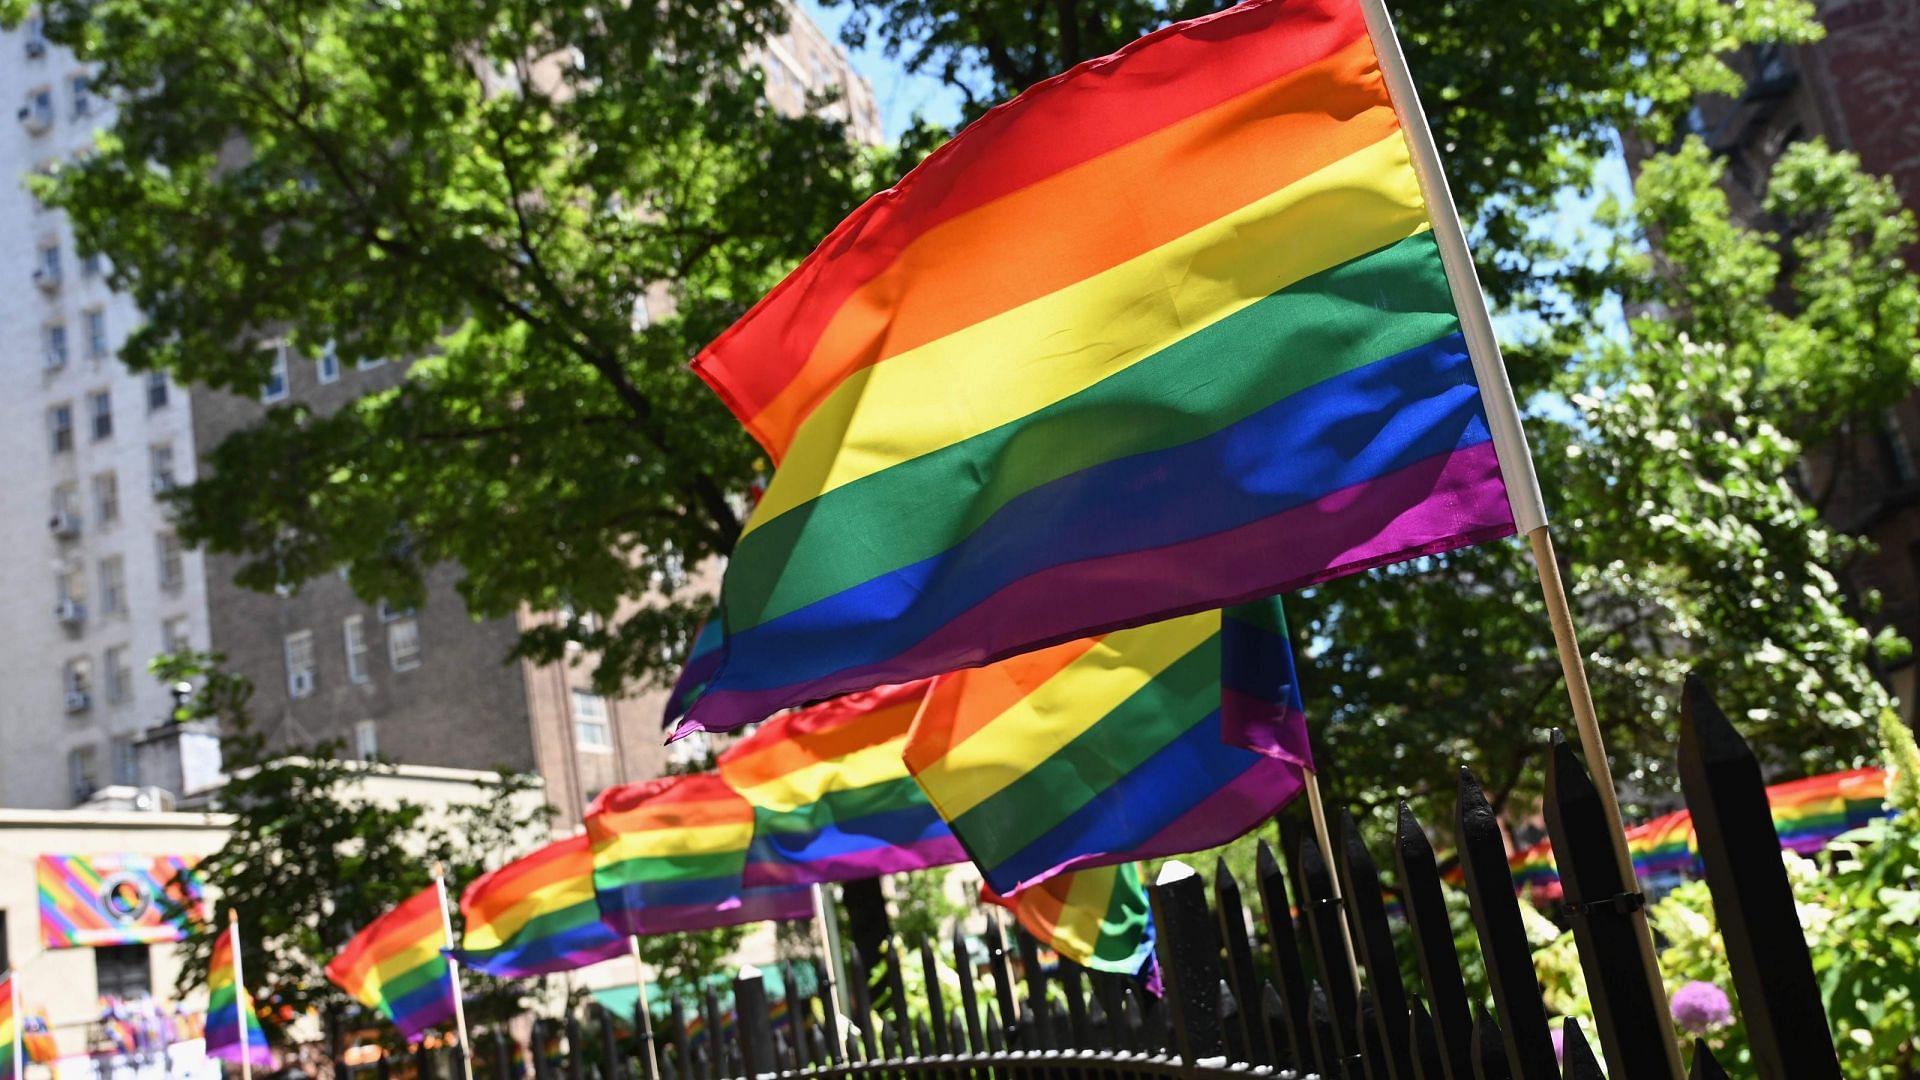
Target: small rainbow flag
233,1027
537,915
1110,749
1809,813
11,1049
395,964
37,1034
1097,918
1167,332
832,800
669,854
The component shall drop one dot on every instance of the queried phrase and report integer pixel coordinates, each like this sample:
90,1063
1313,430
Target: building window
73,583
113,586
60,427
591,728
174,635
76,677
56,346
403,644
66,506
96,323
388,613
173,571
82,95
124,972
100,406
83,773
275,386
327,368
366,740
119,675
160,464
156,390
90,264
353,630
46,270
106,498
125,766
300,673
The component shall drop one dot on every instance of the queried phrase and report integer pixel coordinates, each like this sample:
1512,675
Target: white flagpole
824,921
1510,443
645,1013
453,975
239,995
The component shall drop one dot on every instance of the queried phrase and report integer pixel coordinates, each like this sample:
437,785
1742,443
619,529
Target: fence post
753,1025
1322,906
1490,1061
1284,946
609,1043
1428,1062
718,1050
1039,1017
1576,1056
576,1045
1002,982
1360,880
502,1055
1189,960
1503,938
1772,972
1325,1034
1452,1018
936,1000
1241,977
536,1048
969,1003
1705,1065
1633,1024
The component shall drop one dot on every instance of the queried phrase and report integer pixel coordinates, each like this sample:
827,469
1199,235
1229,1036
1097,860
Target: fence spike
976,1040
1075,990
1189,954
1284,946
536,1049
1273,1016
1367,916
1130,1019
1002,981
1241,978
1489,1047
1780,1000
1039,1019
1705,1065
1233,1040
1632,1021
996,1030
753,1027
936,1000
576,1061
901,1011
1375,1060
1576,1056
1428,1061
1433,944
1337,980
1503,937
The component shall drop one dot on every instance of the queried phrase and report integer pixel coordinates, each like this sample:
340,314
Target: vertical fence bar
1772,972
1322,906
1189,960
1633,1024
1002,982
753,1025
1429,1063
1503,938
1325,1034
1242,977
1705,1065
1360,880
1576,1057
502,1055
536,1046
609,1043
1284,947
576,1048
1490,1045
969,999
1374,1059
1433,945
936,1000
1039,1017
677,1029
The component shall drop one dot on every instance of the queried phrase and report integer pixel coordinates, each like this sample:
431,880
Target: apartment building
101,586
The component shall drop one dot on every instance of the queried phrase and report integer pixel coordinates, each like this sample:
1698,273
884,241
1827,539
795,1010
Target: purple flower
1559,1037
1700,1007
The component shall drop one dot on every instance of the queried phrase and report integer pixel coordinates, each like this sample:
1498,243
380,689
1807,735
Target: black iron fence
1286,996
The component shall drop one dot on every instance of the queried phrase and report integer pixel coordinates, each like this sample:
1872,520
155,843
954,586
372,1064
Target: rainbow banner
669,855
1097,918
1109,750
93,900
12,1052
395,964
1168,332
233,1030
832,799
537,915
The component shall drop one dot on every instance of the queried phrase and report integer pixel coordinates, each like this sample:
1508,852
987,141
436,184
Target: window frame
353,640
395,633
301,657
280,369
60,427
100,413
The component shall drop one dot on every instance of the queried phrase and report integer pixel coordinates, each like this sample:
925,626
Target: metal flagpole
453,974
830,970
239,995
1318,811
1510,443
646,1013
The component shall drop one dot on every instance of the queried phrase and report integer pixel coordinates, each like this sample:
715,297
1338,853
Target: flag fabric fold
536,915
396,965
1097,918
832,800
1111,749
669,855
1163,334
233,1028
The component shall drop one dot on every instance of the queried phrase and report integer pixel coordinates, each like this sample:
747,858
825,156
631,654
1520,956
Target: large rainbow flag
233,1028
395,964
1165,333
1109,750
669,854
1097,918
832,800
93,900
536,915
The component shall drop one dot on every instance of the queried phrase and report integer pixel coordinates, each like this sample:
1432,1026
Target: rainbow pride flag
703,659
37,1036
1165,333
1109,750
832,800
537,915
233,1027
395,964
11,1049
1097,918
669,854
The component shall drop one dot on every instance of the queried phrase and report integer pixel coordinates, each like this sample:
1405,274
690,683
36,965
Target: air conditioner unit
300,684
36,48
71,612
36,119
78,701
65,525
48,280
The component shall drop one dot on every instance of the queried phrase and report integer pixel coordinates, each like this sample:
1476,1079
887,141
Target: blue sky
898,94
